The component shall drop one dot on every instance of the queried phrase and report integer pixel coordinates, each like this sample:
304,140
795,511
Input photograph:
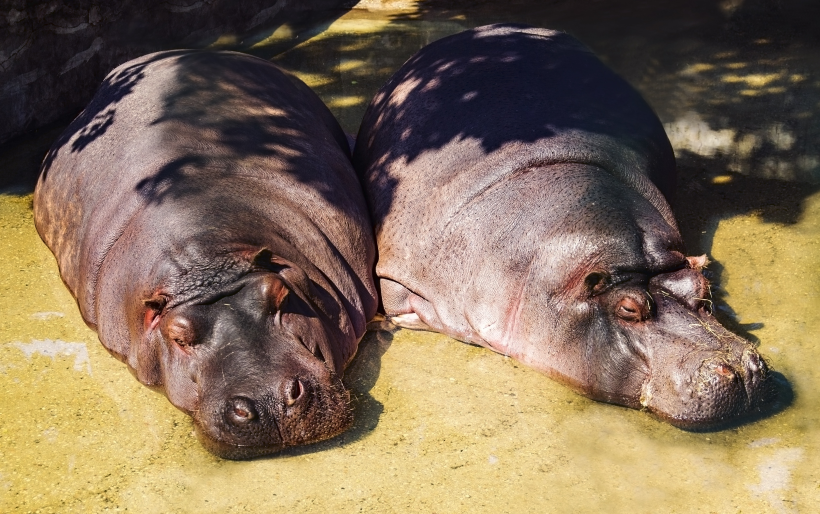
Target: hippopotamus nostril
240,411
725,371
754,364
294,390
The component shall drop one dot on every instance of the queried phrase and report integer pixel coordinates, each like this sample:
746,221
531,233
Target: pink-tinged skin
205,215
518,191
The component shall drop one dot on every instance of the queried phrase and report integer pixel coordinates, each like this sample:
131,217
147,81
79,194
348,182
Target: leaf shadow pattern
230,142
98,117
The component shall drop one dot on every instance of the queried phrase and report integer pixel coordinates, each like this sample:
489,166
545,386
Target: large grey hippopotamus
517,189
205,215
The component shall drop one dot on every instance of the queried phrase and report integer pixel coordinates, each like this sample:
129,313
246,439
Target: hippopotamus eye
629,309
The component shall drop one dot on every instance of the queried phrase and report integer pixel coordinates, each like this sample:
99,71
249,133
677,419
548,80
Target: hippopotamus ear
275,290
288,270
597,282
286,277
698,262
154,306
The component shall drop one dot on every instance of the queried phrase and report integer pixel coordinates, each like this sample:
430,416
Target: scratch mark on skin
512,323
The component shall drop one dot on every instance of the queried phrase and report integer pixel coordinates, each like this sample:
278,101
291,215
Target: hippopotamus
204,213
518,189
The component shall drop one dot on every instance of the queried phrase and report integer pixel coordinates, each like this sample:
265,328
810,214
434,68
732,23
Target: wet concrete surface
442,426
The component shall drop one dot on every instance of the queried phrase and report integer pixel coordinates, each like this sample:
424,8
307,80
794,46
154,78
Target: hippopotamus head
253,364
665,352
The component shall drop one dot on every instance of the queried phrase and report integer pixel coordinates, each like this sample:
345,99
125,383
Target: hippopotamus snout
700,374
273,411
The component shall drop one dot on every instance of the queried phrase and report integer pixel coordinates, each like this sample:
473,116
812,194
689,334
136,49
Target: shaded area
53,56
98,116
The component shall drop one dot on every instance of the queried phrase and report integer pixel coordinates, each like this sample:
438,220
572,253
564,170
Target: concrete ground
442,426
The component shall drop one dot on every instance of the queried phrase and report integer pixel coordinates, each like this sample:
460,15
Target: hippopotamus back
517,190
196,179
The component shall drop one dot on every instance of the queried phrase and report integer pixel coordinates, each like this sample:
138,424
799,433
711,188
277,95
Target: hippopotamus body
205,215
517,189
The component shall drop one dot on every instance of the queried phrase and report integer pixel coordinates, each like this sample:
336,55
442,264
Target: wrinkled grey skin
517,189
204,213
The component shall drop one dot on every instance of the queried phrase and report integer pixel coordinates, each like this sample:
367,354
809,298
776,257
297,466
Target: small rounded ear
154,307
698,262
178,330
265,259
596,282
275,291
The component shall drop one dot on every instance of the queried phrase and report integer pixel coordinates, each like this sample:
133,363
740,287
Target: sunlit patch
56,348
700,67
225,40
730,6
781,137
754,79
361,26
403,90
808,162
315,79
283,32
346,101
692,133
350,64
775,473
735,65
722,179
432,84
42,316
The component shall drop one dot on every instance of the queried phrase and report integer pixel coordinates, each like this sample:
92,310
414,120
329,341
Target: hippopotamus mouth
717,393
302,413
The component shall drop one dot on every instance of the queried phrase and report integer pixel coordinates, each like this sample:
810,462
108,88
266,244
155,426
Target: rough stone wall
53,54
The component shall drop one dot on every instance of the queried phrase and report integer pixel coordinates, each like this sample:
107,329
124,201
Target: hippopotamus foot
406,309
410,320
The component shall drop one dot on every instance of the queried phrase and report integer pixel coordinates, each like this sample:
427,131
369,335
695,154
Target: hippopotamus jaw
651,343
700,375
